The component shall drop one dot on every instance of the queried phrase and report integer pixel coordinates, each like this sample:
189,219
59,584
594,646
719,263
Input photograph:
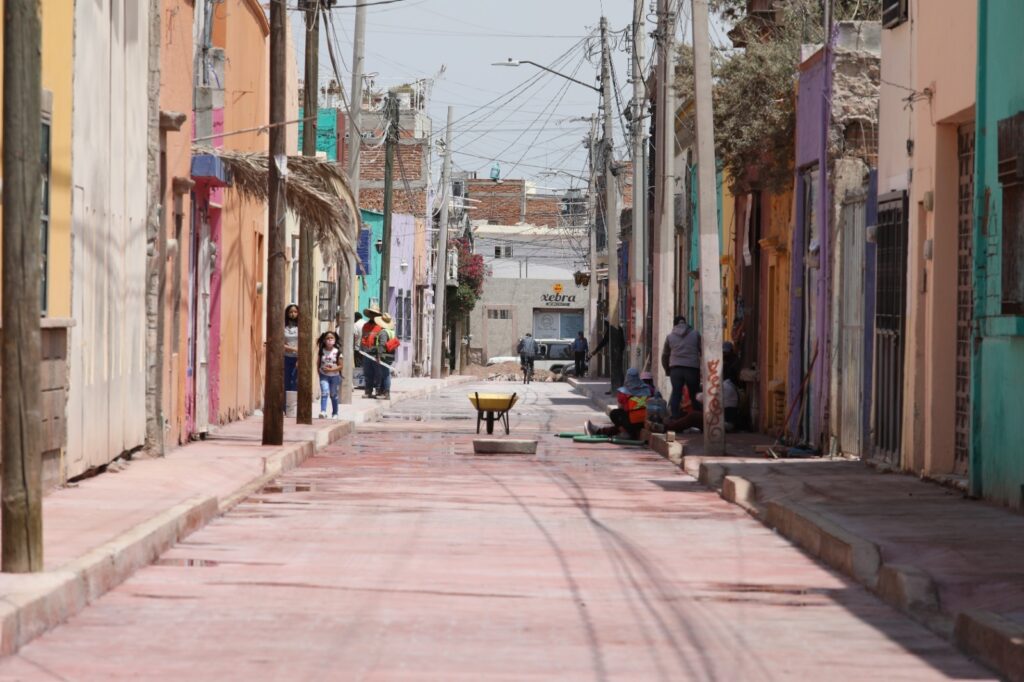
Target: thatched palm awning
317,191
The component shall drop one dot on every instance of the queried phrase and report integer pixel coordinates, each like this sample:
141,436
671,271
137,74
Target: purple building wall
812,125
401,280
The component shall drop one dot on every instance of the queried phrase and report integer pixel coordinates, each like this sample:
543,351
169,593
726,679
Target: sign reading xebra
557,299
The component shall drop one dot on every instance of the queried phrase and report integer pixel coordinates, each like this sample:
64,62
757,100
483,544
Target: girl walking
329,364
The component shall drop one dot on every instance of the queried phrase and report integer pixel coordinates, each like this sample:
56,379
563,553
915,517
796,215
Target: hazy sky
528,133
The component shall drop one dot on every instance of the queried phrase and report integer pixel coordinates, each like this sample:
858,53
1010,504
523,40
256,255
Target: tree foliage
471,281
755,87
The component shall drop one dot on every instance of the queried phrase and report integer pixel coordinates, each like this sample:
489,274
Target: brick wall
414,203
499,202
543,210
371,162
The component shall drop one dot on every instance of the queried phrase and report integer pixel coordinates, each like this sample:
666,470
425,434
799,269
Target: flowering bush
471,281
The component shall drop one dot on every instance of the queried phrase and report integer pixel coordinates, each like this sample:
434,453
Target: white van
555,355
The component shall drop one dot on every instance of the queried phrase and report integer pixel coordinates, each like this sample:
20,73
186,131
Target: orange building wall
176,83
241,29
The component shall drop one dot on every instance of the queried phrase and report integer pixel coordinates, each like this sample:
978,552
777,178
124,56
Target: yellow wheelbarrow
491,407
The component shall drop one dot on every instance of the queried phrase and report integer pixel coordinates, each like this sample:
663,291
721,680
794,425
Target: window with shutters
894,12
44,218
364,266
408,315
400,314
1011,177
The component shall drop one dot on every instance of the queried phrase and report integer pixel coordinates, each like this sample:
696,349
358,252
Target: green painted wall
369,285
326,132
997,452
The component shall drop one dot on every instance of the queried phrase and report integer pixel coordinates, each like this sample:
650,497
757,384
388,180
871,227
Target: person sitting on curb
629,417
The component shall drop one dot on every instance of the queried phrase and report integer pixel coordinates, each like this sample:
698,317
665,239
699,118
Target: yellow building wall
774,302
58,42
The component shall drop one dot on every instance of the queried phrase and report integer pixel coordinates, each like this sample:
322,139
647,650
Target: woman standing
291,350
329,365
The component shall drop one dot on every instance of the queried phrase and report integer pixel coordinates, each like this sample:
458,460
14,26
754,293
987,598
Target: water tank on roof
495,172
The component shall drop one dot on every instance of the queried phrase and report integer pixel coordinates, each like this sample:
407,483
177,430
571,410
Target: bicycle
527,366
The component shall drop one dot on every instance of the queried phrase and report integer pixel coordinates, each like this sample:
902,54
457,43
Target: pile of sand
506,371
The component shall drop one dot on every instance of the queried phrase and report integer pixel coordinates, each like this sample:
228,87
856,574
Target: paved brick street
397,554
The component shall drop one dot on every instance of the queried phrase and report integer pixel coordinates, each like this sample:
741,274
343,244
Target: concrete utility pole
592,286
710,265
664,237
355,107
22,489
611,213
307,307
639,249
273,396
391,137
441,276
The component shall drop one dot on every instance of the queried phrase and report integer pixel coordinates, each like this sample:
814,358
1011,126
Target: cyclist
527,349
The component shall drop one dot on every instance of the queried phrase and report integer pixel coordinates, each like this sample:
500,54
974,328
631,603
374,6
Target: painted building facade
836,151
107,391
996,459
528,287
56,220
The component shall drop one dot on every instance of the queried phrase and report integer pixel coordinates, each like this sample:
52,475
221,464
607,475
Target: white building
529,286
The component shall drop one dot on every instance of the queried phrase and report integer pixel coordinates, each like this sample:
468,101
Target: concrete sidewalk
99,531
954,564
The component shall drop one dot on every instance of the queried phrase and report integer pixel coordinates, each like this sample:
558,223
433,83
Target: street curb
51,598
987,636
377,413
851,554
672,451
994,640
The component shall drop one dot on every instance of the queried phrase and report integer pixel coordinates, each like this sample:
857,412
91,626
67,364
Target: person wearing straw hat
385,354
368,344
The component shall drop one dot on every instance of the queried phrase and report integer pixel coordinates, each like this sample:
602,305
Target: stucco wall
997,462
498,337
176,85
107,393
943,79
236,364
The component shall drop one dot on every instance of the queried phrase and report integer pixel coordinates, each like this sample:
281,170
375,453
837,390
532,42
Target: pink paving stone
397,555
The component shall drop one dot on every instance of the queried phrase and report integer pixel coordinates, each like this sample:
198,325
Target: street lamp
518,62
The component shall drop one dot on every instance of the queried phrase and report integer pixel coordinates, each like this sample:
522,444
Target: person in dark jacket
680,358
579,354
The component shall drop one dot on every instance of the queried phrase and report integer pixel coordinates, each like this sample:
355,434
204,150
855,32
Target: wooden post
307,297
391,137
273,396
22,524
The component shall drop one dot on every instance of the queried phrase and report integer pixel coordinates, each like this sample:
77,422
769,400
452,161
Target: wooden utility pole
441,276
611,213
639,247
391,141
273,396
710,265
355,106
22,494
664,235
307,299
